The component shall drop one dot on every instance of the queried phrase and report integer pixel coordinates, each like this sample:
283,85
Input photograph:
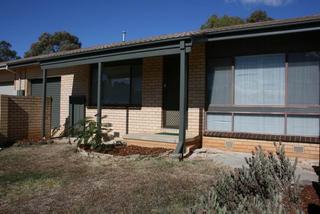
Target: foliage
215,21
51,43
6,53
258,16
91,135
261,187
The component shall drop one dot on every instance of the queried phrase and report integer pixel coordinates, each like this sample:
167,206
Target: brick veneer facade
20,118
149,118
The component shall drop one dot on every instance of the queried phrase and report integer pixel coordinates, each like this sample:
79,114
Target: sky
102,21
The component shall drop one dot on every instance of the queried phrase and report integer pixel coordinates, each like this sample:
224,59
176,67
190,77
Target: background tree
215,21
258,16
6,54
51,43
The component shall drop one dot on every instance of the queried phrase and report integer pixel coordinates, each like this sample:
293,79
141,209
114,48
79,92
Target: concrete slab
166,138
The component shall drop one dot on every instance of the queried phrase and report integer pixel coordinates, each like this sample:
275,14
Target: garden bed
310,202
128,150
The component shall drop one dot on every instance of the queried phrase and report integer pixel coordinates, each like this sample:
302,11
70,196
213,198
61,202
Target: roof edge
299,22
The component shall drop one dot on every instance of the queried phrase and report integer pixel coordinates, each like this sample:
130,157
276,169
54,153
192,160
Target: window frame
286,109
114,105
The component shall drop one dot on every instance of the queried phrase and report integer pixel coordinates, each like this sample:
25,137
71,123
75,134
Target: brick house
230,88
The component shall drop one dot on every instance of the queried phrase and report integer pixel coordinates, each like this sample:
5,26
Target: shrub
89,135
265,185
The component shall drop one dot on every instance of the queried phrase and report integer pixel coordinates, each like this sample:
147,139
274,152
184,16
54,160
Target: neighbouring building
230,88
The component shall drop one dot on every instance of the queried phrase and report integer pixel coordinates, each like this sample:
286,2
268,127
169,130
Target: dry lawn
54,178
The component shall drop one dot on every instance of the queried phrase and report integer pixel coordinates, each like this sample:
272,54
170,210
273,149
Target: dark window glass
136,84
116,85
303,78
121,85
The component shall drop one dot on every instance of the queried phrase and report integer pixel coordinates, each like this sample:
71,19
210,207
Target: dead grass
53,178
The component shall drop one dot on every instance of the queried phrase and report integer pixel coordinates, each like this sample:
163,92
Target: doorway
171,85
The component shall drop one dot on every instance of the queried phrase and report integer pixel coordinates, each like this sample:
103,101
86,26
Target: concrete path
237,159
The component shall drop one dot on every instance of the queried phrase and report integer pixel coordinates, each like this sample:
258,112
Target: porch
167,140
130,89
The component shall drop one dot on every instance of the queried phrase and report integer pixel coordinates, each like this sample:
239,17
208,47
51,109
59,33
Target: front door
171,83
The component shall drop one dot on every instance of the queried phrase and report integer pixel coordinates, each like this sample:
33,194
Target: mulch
310,201
137,150
130,150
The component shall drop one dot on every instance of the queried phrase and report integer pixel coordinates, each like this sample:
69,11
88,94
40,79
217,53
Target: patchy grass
54,178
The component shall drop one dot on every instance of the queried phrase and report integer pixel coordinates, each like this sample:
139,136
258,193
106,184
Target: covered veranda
180,47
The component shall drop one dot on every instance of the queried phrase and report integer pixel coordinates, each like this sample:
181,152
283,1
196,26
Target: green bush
90,135
260,187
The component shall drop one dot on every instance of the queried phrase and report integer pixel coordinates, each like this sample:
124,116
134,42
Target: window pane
136,84
264,124
303,126
219,122
220,83
116,85
260,80
303,78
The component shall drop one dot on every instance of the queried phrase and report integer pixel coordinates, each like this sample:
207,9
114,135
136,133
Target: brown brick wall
21,117
310,151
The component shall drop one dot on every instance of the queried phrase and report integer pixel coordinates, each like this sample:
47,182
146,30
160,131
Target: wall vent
228,144
298,149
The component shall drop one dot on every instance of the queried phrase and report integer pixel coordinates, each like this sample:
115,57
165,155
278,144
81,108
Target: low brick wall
20,118
300,150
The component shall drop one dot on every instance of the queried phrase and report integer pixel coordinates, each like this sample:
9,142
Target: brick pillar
196,88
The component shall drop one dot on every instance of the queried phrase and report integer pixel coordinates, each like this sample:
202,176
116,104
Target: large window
303,78
121,85
219,82
260,80
268,94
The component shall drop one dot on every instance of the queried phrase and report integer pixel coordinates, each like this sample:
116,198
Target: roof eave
266,27
140,45
202,36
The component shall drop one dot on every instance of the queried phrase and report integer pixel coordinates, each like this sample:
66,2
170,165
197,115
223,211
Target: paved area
237,159
166,138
